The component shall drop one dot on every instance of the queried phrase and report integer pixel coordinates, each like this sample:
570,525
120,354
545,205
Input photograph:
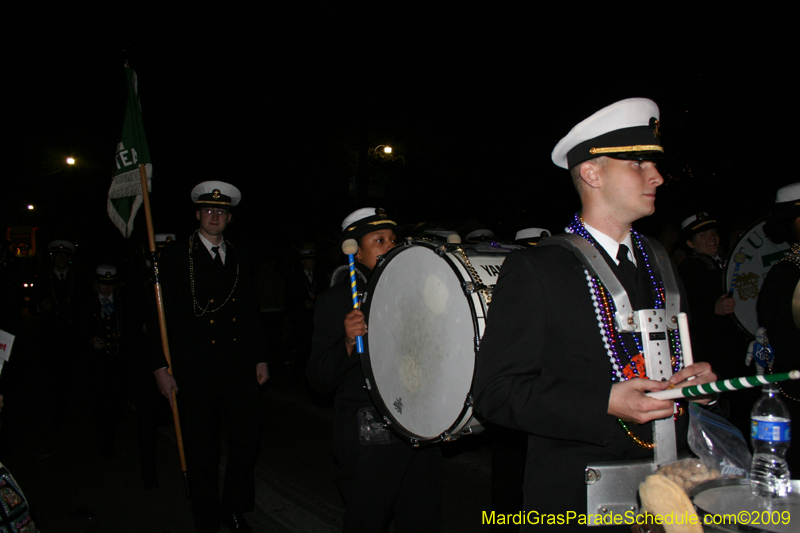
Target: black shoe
236,523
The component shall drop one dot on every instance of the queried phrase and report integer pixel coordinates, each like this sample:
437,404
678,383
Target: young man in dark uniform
544,366
216,344
381,478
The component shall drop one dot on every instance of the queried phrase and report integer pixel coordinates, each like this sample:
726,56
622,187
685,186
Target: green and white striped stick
722,386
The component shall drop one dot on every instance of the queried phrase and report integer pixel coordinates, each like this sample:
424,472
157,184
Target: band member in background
302,287
105,360
59,290
544,366
778,304
715,337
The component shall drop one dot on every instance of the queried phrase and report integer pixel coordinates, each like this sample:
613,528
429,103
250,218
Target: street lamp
70,160
383,151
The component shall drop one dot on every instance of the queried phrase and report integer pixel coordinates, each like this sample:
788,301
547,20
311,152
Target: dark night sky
273,99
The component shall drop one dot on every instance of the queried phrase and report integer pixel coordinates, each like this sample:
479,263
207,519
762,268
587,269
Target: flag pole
162,321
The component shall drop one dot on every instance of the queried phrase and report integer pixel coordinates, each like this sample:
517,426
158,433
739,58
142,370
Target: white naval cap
440,232
701,219
216,194
164,238
531,234
628,129
365,220
790,193
479,234
106,274
61,246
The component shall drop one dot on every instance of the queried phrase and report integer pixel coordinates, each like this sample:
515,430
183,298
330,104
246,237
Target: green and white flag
125,194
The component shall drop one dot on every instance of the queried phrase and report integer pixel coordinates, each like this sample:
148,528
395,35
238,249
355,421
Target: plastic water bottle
769,433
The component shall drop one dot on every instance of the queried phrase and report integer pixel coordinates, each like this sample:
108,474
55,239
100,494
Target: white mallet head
350,247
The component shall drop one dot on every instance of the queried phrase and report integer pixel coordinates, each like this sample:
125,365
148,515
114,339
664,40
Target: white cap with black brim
628,129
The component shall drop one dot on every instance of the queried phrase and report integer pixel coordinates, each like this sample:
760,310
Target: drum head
732,497
760,254
421,342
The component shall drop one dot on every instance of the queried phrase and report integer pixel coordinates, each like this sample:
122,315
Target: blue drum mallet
739,258
350,247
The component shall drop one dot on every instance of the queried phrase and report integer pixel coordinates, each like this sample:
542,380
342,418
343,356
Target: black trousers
209,402
385,482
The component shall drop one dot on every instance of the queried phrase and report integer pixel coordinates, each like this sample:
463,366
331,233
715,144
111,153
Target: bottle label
771,431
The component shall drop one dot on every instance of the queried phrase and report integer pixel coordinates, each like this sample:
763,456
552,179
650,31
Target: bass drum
426,309
760,254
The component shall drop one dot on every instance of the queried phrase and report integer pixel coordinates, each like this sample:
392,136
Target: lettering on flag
125,193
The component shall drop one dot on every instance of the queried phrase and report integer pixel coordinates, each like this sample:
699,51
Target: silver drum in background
761,253
719,500
426,307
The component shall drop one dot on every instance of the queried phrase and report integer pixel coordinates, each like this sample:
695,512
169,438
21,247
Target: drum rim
723,483
728,259
369,375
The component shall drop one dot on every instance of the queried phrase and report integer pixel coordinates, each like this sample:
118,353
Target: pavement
70,488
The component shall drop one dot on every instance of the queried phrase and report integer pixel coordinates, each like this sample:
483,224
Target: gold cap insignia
215,194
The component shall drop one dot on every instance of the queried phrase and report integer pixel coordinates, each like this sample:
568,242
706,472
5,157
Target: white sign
6,342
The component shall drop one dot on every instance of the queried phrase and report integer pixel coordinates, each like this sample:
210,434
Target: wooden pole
162,321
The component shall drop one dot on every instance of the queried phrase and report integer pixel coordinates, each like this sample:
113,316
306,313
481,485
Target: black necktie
626,267
217,257
108,307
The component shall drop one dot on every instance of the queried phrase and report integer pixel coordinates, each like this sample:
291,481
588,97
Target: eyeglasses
210,211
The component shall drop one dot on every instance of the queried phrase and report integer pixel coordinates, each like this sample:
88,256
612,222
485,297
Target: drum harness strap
653,324
793,257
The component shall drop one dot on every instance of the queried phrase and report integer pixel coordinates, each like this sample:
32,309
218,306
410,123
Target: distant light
30,207
70,160
387,149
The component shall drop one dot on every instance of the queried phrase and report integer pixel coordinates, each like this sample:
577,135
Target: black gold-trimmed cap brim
628,129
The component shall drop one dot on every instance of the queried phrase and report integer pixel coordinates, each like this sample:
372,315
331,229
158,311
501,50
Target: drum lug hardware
441,250
445,437
367,384
469,402
470,287
386,422
477,344
592,476
414,443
